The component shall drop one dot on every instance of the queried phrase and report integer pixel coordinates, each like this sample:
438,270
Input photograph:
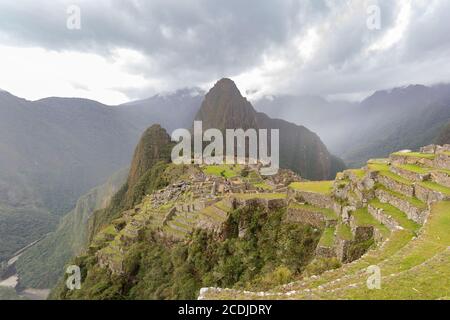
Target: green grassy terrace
413,201
226,171
269,196
323,187
364,219
383,169
436,187
327,239
397,214
415,155
344,232
414,168
328,213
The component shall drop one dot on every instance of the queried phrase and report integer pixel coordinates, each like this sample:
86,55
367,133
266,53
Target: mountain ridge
224,107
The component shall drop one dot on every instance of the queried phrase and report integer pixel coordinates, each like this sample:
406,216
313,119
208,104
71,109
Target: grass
110,230
436,187
416,155
269,196
221,205
397,214
412,200
330,214
414,168
378,166
226,171
209,212
383,170
420,269
323,187
327,239
344,232
263,185
365,219
360,173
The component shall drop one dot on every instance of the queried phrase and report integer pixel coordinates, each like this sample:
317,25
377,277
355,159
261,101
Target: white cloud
35,73
129,50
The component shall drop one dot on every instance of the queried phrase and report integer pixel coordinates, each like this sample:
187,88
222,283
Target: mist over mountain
389,120
56,149
314,112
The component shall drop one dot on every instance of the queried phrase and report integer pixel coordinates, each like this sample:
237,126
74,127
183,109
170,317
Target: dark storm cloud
188,43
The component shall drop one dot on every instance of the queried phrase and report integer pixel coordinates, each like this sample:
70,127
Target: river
12,278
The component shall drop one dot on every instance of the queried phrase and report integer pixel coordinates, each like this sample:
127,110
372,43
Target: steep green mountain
300,149
150,158
188,227
42,265
56,149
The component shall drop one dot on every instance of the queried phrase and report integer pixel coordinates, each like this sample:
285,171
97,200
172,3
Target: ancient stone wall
413,213
383,217
391,184
441,178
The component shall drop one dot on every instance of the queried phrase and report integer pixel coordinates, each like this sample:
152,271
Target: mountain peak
224,107
154,146
226,84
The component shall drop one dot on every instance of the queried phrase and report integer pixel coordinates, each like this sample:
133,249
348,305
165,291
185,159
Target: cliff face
300,149
154,146
150,157
43,264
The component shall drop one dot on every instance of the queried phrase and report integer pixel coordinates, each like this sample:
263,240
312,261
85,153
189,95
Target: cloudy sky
133,49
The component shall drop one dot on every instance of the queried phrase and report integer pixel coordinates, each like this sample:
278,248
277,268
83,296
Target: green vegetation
398,215
327,239
359,173
383,170
412,200
263,185
365,219
416,155
414,168
324,187
436,187
344,232
226,171
270,253
9,294
330,214
21,226
260,195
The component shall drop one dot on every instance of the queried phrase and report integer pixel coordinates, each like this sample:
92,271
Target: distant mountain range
301,150
54,150
388,120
